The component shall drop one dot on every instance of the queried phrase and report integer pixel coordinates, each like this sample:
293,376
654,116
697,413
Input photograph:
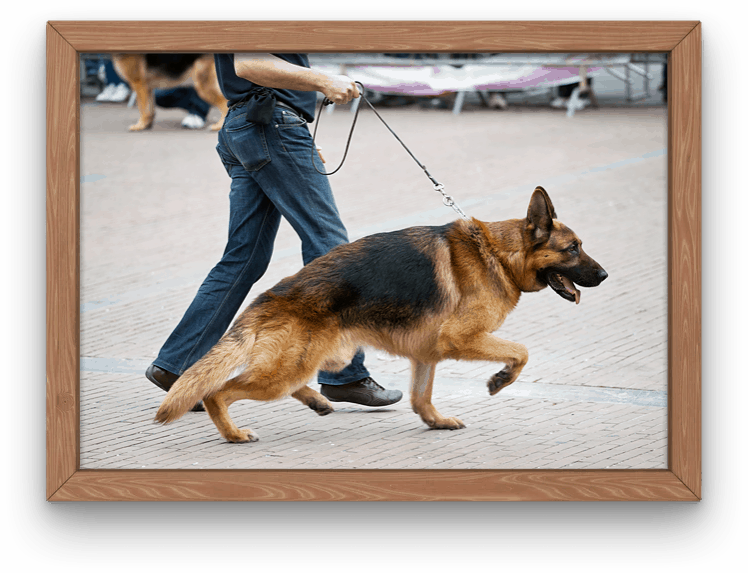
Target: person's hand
340,89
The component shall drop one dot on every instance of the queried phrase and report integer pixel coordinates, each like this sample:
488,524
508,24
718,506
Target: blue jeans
184,97
271,177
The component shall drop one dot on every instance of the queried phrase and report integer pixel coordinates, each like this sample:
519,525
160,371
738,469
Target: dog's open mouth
564,287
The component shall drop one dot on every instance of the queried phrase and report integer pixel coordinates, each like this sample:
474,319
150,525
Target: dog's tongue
570,288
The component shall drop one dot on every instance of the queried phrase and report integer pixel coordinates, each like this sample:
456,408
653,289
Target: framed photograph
67,40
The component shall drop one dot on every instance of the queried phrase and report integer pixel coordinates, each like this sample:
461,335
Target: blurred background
451,81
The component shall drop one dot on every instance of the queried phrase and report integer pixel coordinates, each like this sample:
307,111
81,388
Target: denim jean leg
253,225
305,199
184,97
300,193
354,372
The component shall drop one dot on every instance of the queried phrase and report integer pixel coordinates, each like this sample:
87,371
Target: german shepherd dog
424,293
146,72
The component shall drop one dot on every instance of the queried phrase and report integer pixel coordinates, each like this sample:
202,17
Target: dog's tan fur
144,79
315,320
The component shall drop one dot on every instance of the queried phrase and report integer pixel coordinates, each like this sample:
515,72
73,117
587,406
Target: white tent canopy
436,80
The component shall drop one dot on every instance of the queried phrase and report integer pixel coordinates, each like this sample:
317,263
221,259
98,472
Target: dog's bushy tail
206,377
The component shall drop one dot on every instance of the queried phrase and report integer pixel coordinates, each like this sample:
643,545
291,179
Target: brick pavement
154,212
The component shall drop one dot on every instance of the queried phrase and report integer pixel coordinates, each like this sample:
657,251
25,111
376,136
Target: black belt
242,102
286,106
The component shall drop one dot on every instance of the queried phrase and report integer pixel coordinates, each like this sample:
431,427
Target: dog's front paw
499,381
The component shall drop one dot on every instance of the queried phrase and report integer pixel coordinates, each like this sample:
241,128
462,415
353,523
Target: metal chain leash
438,187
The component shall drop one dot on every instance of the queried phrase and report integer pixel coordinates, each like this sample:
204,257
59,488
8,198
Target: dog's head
555,255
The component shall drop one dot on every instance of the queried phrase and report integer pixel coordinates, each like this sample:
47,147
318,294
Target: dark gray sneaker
365,392
164,380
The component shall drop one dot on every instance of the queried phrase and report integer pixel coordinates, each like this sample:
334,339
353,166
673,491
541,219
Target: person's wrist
323,82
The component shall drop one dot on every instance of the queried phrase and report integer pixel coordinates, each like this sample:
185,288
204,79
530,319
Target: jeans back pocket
247,142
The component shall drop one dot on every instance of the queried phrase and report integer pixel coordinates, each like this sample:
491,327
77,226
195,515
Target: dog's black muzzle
564,281
587,277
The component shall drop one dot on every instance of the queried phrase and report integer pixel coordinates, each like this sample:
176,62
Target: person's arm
273,72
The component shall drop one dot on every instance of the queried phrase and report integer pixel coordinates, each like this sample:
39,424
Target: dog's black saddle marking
387,279
171,65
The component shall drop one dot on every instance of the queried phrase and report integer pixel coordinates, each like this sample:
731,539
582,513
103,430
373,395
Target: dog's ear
540,215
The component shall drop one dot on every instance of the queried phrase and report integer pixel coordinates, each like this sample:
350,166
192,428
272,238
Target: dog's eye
574,249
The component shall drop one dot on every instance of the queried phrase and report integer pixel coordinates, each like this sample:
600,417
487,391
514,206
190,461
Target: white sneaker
559,103
193,121
106,93
120,93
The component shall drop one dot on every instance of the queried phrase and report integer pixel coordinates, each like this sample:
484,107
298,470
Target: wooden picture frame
681,481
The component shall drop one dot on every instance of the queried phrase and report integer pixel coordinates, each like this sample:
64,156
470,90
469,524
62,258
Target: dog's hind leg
282,363
245,386
146,106
218,404
263,383
218,410
132,69
421,385
314,400
207,87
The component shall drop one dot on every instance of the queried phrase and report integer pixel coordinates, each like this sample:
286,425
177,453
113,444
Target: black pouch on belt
260,106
